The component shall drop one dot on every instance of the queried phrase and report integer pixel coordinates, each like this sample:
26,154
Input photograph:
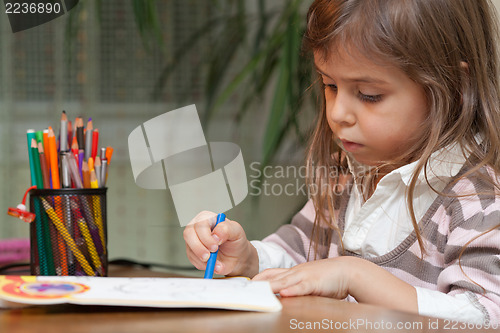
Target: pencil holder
69,234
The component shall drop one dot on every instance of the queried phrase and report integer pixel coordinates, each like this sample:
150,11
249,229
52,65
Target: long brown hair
448,47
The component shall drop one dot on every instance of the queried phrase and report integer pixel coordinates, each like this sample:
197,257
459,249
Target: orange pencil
86,174
46,150
90,162
54,169
109,153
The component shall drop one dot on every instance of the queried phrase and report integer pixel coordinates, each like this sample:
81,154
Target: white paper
231,293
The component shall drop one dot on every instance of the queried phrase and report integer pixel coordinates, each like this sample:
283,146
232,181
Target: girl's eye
369,98
332,87
364,98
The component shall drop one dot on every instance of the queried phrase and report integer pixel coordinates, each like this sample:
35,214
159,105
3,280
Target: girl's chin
367,161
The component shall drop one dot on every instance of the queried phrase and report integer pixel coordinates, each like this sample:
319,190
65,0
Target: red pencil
95,140
74,148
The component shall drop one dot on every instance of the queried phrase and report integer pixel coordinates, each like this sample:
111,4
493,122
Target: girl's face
376,111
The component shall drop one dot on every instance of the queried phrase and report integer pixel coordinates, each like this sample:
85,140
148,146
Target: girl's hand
326,277
236,255
342,276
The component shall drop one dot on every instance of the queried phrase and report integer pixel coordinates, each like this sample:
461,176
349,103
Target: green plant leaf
147,21
286,93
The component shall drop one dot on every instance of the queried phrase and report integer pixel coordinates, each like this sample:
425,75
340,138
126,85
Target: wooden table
299,314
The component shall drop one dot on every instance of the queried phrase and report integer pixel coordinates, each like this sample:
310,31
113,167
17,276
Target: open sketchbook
232,293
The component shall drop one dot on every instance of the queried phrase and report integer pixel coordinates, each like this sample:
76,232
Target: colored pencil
88,139
109,153
86,174
81,157
63,134
67,238
47,152
45,259
90,162
75,174
104,172
79,133
209,270
74,148
95,142
94,254
93,179
36,163
70,133
43,166
66,177
98,220
30,135
39,136
54,169
97,168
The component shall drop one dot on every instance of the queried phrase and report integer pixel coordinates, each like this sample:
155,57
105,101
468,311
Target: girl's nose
339,111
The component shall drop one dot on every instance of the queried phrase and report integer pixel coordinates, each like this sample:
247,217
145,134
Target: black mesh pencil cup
69,233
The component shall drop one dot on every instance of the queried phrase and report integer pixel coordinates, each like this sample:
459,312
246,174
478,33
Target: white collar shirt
378,225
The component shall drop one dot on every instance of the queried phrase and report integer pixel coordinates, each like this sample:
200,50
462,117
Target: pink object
14,250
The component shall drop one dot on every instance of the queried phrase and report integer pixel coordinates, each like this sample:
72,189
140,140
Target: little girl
405,160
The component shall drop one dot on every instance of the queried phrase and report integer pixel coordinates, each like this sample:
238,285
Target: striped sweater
450,223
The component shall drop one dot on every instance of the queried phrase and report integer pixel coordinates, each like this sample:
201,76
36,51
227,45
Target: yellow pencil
97,209
98,220
90,244
93,179
67,238
86,235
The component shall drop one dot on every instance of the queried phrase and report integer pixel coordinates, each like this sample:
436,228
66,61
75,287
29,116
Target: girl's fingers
193,259
269,274
204,233
194,244
286,282
299,289
229,230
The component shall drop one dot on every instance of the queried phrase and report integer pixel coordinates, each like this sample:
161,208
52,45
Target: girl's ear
464,65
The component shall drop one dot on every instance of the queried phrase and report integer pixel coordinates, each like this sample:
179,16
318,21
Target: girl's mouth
351,146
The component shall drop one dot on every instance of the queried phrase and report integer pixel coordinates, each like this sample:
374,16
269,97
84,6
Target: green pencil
30,134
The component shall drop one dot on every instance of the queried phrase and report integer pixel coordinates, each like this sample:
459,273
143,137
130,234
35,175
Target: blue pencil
209,271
